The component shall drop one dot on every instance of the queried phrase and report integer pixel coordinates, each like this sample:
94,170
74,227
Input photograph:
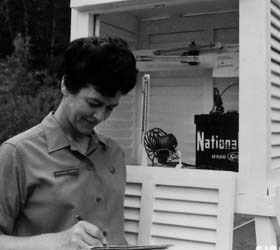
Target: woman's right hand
82,235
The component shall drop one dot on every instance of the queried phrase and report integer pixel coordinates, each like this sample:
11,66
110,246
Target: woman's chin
86,128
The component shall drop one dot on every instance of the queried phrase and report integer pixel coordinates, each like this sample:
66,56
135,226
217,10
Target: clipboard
131,247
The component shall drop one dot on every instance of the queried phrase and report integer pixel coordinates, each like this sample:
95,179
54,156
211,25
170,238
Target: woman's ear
63,88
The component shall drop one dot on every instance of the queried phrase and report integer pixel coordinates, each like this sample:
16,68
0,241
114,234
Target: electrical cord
228,87
243,224
218,102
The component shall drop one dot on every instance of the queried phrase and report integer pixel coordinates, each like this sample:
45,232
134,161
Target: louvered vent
132,205
120,126
275,83
185,215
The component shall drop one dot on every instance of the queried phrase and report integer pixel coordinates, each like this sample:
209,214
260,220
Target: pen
79,218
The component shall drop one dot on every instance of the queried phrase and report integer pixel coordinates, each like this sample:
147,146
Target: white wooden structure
190,209
177,91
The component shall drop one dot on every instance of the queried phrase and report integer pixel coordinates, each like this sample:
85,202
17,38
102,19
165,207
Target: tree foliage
45,22
29,61
26,94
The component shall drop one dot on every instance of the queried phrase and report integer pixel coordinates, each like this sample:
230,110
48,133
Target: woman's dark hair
105,63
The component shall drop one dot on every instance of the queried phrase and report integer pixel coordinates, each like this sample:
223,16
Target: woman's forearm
81,235
38,242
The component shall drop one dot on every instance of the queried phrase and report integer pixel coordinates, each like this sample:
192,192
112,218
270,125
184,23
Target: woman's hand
82,235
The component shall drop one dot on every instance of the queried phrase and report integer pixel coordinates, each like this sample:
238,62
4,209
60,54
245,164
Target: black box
217,141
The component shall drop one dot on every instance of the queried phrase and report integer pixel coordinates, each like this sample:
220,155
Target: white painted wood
131,238
146,212
133,189
274,43
275,80
188,220
187,234
132,207
82,24
254,95
132,214
96,25
265,232
131,227
185,207
120,126
276,139
172,196
275,89
259,205
132,202
187,194
141,157
107,6
275,69
189,224
225,219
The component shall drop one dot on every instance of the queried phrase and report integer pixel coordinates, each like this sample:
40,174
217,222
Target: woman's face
88,108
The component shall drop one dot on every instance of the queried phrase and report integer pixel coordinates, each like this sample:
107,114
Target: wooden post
254,96
82,24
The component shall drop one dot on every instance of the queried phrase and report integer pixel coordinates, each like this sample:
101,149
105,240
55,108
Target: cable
243,224
228,88
218,102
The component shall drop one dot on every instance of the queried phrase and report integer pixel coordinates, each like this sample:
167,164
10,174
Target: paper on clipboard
132,247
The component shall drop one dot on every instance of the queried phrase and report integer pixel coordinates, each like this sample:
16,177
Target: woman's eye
109,109
92,105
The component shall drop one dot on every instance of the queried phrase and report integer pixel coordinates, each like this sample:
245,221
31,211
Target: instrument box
217,141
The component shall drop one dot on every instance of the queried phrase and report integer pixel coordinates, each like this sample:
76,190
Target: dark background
45,22
33,37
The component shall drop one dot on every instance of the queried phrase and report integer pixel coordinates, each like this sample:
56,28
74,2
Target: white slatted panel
185,213
191,208
275,83
206,208
132,207
120,126
188,193
184,220
175,97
